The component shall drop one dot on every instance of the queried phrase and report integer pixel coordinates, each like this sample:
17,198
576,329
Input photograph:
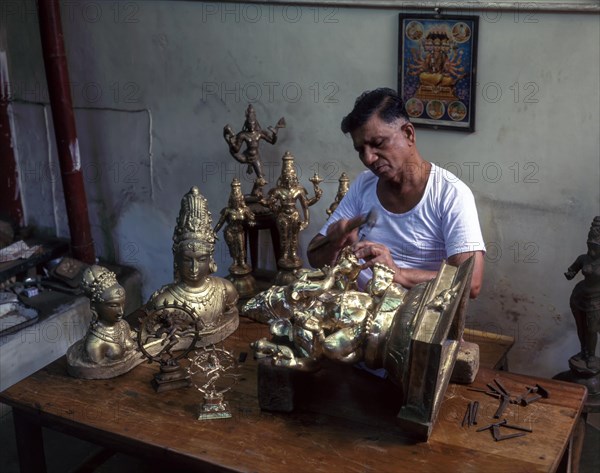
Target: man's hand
373,253
324,250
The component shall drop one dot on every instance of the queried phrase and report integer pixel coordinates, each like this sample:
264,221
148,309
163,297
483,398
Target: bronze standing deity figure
250,137
210,298
283,201
236,215
585,305
344,185
108,348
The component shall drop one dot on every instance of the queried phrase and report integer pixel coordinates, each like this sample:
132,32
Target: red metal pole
10,191
57,76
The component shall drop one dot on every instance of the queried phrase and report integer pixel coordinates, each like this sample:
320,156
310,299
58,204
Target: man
425,214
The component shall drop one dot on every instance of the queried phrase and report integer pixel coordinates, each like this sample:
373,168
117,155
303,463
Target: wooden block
467,363
275,387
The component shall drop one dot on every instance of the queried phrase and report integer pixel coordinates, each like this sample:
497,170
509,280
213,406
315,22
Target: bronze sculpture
236,215
214,372
344,185
108,348
414,334
585,305
211,299
250,136
283,200
162,331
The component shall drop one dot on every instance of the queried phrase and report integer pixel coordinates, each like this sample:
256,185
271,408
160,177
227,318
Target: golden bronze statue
283,200
413,334
585,305
344,185
236,215
108,348
250,136
210,298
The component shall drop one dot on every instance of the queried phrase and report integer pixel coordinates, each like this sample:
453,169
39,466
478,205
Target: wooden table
347,426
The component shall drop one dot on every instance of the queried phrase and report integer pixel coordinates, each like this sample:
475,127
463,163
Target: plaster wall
154,82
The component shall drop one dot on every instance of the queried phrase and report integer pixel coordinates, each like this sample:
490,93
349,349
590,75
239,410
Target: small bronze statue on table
108,348
211,299
344,185
282,200
214,372
585,305
250,136
236,215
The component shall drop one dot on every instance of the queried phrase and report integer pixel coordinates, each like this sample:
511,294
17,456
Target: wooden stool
264,221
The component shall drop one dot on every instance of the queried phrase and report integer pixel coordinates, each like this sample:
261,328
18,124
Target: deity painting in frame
437,62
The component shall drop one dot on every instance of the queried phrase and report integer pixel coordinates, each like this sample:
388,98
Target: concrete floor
65,454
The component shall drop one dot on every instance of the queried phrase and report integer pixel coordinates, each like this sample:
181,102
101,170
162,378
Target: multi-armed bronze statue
250,136
283,201
413,334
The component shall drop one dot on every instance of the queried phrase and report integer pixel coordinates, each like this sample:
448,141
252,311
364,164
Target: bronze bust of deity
108,348
211,299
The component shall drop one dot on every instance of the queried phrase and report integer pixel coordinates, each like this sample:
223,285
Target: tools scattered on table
499,391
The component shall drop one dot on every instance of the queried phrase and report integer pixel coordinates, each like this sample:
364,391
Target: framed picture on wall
437,63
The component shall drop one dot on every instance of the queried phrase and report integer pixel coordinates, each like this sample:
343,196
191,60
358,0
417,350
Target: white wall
154,82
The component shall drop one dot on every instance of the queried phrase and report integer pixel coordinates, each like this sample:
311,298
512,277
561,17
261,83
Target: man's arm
339,235
477,277
408,277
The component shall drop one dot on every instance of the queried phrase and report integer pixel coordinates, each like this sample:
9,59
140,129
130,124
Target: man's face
383,147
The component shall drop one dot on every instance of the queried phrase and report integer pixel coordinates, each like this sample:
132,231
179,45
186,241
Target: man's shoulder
447,183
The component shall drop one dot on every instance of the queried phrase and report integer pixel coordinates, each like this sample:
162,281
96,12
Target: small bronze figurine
214,372
585,305
282,200
108,348
250,136
236,214
342,190
211,299
162,331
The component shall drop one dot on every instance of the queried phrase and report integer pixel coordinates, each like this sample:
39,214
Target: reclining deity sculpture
413,334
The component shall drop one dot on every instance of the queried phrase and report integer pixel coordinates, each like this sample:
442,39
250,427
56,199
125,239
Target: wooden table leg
30,443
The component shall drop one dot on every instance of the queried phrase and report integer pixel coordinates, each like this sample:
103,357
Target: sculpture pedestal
244,283
171,377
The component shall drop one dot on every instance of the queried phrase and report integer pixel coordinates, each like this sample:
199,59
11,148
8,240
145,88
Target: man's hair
384,102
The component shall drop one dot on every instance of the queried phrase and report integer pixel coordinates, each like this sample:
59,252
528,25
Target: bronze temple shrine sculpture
413,334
